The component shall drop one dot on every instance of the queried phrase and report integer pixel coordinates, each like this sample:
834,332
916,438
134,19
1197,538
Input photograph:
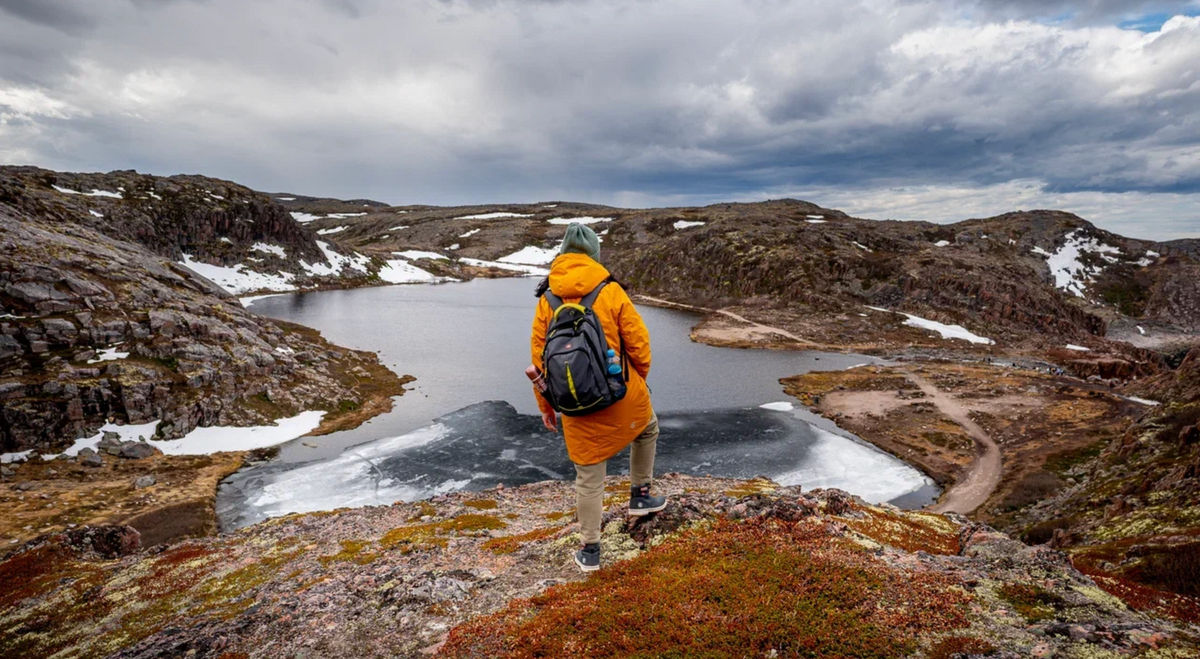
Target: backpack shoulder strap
553,300
590,299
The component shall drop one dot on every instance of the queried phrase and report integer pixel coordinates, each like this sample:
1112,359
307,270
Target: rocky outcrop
189,218
94,328
452,574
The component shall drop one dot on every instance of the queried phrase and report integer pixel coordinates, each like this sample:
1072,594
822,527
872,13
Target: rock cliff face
728,568
97,325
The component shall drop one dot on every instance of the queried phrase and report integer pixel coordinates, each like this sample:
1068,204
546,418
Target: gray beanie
580,239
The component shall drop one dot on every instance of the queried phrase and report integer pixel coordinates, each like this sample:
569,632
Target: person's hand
550,420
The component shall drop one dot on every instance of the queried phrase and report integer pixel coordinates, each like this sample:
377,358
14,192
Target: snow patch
286,198
399,227
469,233
1141,330
418,254
454,246
1039,250
684,224
492,216
1069,272
304,217
812,221
781,406
586,219
108,355
399,271
335,263
515,267
93,193
226,240
342,216
326,232
947,331
1072,346
239,279
154,195
96,213
941,243
531,255
1143,401
862,246
205,441
269,249
126,433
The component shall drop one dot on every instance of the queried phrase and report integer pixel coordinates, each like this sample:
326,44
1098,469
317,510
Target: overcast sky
906,109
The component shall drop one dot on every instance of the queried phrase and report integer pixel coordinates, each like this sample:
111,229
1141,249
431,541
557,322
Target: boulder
137,450
144,481
89,458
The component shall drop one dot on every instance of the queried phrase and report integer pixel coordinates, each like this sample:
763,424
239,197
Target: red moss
1145,599
904,532
738,589
960,646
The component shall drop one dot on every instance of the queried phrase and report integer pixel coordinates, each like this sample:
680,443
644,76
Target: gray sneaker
588,558
641,503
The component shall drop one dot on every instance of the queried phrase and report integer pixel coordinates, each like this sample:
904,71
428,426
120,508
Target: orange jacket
600,435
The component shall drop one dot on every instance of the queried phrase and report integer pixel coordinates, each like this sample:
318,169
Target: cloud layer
907,109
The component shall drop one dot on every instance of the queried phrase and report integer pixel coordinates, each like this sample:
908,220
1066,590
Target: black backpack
575,361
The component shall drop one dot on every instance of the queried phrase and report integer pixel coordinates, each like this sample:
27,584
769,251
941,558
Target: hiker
594,437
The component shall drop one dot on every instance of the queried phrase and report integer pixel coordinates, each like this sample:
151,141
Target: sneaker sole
638,512
586,568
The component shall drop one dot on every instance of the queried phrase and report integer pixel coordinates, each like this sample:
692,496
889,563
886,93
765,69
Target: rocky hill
100,320
1033,282
240,239
731,568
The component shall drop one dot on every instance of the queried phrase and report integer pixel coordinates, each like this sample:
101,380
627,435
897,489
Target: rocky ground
745,566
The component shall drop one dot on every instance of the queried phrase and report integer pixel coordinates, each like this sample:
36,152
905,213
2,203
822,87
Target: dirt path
984,474
766,329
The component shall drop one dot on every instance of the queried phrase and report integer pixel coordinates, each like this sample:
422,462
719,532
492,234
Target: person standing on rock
593,438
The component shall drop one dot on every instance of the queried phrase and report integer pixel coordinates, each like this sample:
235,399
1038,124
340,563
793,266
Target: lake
469,421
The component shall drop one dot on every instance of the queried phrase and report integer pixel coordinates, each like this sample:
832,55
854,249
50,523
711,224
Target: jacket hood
575,275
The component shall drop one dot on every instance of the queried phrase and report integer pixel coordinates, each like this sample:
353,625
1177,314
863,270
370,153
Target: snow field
531,255
492,216
93,193
586,219
326,232
684,224
237,279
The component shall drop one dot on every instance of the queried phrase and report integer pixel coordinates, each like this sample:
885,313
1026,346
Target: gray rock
7,473
110,444
137,450
143,481
89,458
25,486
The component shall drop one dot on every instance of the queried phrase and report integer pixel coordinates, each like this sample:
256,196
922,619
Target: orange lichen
960,646
352,552
480,504
510,543
737,589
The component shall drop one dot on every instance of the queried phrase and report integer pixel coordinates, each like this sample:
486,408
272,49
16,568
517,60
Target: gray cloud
623,101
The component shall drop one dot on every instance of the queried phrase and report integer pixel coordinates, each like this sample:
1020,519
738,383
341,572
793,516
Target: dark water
469,420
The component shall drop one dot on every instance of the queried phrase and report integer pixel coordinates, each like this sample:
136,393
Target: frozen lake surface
469,421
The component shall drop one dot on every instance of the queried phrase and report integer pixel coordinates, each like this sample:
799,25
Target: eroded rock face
98,323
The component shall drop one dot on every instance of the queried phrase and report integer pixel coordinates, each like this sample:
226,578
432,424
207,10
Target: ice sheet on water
489,443
859,469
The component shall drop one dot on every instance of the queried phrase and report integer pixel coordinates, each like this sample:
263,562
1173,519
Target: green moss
352,552
480,504
752,487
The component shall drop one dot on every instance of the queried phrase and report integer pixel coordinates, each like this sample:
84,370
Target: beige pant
589,481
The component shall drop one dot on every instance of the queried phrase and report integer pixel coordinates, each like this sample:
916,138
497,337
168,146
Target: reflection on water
468,342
